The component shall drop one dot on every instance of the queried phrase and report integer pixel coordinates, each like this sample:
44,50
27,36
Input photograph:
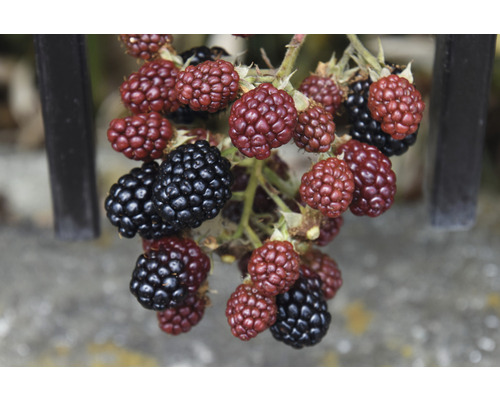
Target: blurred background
413,295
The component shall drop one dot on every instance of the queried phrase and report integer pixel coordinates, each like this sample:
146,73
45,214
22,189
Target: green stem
287,188
243,226
280,203
368,57
291,54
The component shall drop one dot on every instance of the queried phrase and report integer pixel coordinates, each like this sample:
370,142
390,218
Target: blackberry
323,90
374,179
328,187
327,270
129,206
365,129
274,267
203,53
263,119
315,130
396,104
145,46
151,88
329,228
181,319
249,312
209,86
141,137
168,272
303,318
193,184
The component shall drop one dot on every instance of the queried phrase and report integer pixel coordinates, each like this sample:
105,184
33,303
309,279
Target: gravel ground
413,295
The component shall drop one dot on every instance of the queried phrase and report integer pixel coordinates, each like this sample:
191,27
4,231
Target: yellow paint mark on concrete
358,317
493,301
106,354
110,355
330,359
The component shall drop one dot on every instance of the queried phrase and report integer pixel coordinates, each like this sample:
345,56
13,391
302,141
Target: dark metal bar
69,134
458,111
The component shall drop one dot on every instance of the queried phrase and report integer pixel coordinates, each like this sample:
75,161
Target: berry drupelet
193,184
181,319
315,130
323,90
327,270
145,46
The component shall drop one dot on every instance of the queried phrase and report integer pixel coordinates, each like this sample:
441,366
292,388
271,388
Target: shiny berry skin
263,119
129,205
329,228
169,270
365,129
274,267
328,187
199,54
193,184
323,90
249,313
327,270
181,319
375,181
151,88
397,105
141,137
303,318
145,46
315,130
209,86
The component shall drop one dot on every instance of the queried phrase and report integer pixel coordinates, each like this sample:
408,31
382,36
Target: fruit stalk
368,57
291,54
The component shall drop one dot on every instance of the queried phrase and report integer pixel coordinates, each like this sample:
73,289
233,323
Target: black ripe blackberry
202,53
193,184
303,318
157,281
129,206
365,129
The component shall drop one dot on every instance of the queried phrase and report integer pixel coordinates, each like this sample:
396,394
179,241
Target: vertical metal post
458,110
69,134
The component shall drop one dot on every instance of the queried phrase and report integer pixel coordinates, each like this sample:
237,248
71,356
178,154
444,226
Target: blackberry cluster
129,205
193,184
365,129
208,135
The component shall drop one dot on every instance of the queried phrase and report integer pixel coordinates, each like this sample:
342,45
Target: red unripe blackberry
141,137
181,319
264,118
329,228
315,130
326,268
208,86
323,90
397,105
151,88
328,187
145,46
375,181
249,312
274,267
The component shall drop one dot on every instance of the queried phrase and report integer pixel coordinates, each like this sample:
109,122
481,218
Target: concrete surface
412,295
